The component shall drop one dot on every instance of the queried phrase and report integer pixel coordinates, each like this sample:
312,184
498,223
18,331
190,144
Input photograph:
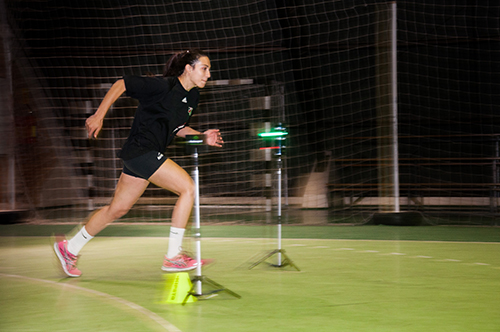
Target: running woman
165,107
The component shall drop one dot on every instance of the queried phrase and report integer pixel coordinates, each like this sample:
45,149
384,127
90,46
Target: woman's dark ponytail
177,62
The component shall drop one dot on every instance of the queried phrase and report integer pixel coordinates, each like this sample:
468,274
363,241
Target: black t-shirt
164,108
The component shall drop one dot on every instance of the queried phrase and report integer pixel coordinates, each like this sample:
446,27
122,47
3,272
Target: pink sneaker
181,262
67,259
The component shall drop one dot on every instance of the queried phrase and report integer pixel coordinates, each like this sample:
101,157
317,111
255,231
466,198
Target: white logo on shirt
185,100
160,155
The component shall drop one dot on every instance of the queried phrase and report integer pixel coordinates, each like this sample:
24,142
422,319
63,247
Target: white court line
151,315
396,254
392,254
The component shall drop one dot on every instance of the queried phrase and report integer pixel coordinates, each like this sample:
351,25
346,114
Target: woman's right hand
93,126
95,122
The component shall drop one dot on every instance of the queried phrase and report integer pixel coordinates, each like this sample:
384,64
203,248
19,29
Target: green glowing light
273,134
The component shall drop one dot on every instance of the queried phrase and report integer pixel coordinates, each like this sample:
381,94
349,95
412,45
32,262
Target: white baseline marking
151,315
396,254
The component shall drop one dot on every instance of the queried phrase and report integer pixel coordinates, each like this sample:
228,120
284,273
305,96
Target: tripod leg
189,293
263,259
218,288
222,288
284,259
288,261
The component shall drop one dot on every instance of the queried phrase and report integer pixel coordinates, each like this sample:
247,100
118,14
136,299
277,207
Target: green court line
380,232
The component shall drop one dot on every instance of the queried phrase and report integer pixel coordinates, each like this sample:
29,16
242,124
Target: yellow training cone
177,287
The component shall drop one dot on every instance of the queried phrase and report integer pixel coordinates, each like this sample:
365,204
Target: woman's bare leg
172,177
128,190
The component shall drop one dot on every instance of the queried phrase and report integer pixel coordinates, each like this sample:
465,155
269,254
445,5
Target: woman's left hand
213,137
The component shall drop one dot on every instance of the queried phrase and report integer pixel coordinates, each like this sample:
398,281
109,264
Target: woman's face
200,73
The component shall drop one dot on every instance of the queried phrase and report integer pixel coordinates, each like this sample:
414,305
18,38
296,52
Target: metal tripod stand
283,259
193,141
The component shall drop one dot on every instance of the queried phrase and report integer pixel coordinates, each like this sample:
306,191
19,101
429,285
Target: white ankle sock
175,241
78,241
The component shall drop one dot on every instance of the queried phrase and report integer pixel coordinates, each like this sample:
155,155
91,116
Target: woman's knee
188,189
117,211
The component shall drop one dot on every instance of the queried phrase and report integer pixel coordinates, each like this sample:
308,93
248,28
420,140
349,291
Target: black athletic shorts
145,165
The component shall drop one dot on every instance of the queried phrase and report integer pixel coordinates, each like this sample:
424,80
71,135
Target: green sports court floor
351,278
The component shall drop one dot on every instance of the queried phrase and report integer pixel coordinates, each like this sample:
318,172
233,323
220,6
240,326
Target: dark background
319,55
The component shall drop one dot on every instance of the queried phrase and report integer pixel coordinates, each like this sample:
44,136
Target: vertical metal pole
9,136
268,176
394,80
494,194
197,230
279,207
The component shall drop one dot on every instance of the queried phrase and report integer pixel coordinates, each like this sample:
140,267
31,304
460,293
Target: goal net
387,106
